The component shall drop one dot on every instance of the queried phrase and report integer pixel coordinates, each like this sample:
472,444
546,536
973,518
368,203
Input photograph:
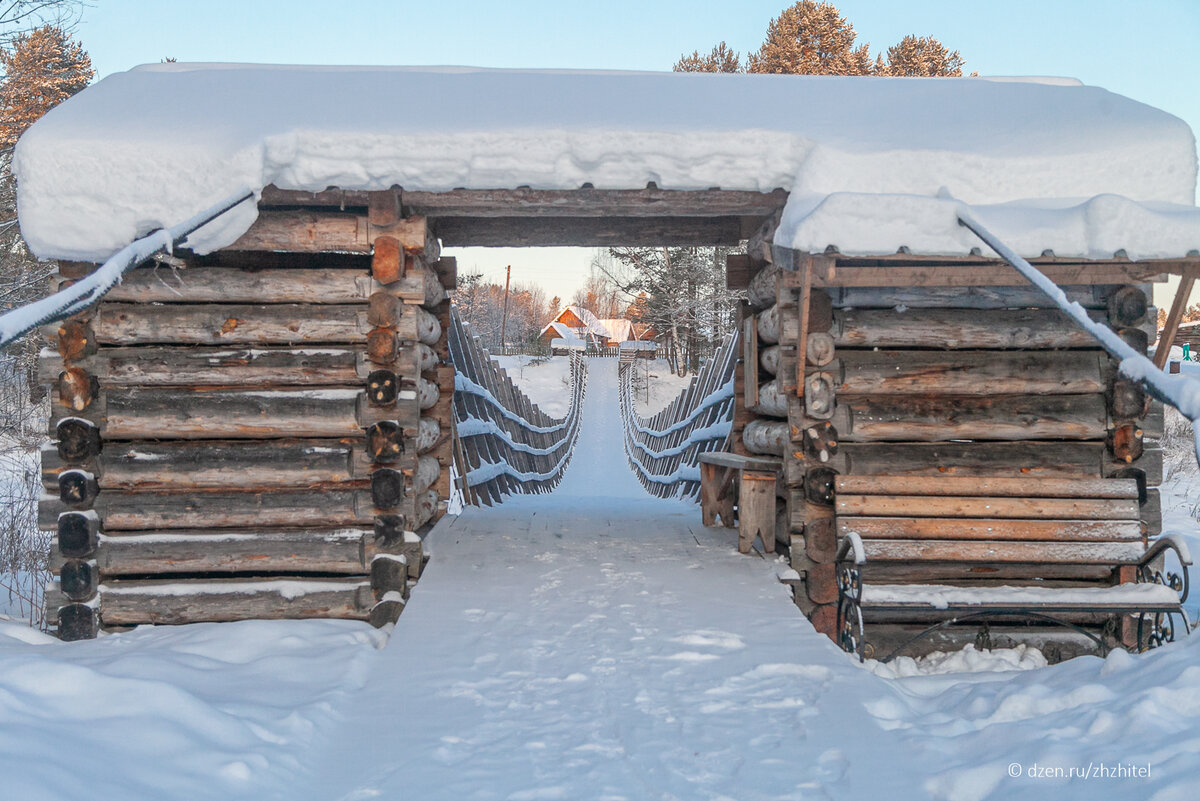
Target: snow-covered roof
619,329
590,323
564,331
1045,163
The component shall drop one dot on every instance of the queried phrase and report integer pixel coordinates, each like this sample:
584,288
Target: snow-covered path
599,643
595,643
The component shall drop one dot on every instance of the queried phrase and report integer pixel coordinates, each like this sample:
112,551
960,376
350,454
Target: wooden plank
757,463
609,231
903,372
144,511
202,284
212,464
996,486
127,603
985,574
750,362
207,366
908,419
987,507
959,329
957,528
1097,553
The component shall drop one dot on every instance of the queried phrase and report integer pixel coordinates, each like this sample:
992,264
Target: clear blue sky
1146,49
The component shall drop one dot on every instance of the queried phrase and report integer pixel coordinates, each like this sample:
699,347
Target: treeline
813,38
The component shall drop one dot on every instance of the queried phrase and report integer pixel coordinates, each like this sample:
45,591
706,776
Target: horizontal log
232,324
957,528
769,325
772,401
340,550
966,297
609,231
987,507
307,231
128,603
904,372
135,413
214,464
766,437
762,291
1096,553
649,202
1033,459
768,359
202,284
995,274
192,366
1079,417
955,328
143,511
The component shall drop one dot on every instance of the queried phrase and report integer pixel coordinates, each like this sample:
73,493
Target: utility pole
504,319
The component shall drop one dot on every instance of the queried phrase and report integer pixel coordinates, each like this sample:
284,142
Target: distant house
575,326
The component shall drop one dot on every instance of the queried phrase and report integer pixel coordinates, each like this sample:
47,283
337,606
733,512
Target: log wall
903,366
262,432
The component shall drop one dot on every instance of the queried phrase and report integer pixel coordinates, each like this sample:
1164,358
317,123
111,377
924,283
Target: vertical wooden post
756,510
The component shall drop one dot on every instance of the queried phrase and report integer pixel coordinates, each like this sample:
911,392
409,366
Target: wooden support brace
1174,317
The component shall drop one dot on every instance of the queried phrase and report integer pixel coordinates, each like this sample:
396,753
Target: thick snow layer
863,157
546,381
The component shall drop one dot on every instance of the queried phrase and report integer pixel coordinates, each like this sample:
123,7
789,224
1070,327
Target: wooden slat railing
507,445
664,449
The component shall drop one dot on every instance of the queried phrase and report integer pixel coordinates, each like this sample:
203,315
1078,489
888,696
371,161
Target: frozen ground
595,643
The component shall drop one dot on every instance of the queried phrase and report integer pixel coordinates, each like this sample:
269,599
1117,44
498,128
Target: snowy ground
594,643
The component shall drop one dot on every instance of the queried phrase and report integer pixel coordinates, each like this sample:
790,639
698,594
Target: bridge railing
664,449
506,445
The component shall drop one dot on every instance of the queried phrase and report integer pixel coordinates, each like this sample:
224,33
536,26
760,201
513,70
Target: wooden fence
664,450
507,445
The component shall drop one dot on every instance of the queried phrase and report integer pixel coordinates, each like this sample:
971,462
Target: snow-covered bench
938,551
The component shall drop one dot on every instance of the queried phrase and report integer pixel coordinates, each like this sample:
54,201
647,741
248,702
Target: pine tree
41,69
721,59
810,38
921,56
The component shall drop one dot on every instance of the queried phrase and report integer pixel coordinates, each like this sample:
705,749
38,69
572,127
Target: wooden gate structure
268,430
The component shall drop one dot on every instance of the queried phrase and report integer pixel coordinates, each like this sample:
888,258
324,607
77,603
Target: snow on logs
271,411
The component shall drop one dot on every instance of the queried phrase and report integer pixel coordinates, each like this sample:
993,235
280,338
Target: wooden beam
588,231
526,202
958,528
996,274
997,486
1174,317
